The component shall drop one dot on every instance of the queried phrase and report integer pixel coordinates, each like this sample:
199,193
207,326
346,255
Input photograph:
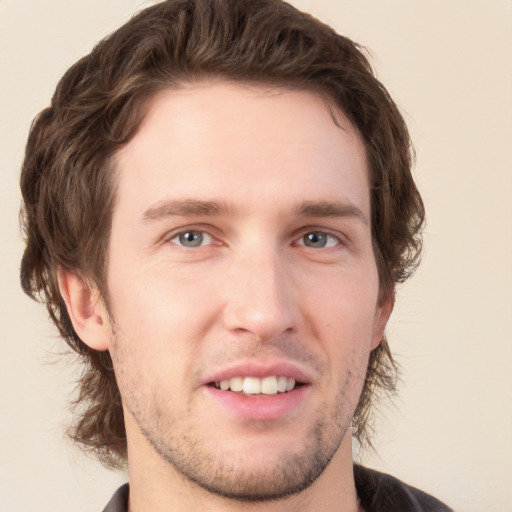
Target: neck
156,486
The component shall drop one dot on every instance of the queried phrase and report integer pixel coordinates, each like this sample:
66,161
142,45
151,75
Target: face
242,286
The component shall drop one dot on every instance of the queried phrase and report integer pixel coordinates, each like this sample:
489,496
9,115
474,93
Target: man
218,205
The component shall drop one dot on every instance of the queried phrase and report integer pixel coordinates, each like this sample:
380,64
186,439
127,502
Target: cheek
155,296
160,318
342,318
343,300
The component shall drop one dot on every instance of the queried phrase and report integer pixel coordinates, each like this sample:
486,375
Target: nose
259,295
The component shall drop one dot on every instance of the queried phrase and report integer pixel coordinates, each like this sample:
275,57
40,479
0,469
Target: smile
270,385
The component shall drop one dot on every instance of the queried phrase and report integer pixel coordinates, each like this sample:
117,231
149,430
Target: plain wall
448,64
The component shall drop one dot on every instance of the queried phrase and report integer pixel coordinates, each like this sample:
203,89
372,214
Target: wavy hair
68,183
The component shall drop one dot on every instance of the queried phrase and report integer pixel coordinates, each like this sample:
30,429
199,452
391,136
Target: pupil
315,239
191,239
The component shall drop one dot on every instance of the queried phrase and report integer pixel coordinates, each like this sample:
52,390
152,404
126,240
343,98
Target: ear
382,314
85,309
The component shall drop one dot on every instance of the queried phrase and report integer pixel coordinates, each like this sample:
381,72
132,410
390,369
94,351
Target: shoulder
119,502
379,492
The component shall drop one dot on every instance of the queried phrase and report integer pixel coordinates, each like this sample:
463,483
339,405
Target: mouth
254,386
261,392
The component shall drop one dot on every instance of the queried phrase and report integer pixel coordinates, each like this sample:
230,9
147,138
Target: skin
254,291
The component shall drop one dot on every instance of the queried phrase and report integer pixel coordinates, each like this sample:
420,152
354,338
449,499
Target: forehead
222,139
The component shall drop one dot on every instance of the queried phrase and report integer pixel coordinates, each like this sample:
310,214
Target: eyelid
209,230
207,238
339,237
171,235
300,240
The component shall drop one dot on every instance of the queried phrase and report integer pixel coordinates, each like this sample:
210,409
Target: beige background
448,64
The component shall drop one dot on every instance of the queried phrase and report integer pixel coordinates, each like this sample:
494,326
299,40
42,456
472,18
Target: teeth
252,386
255,386
281,384
236,384
269,385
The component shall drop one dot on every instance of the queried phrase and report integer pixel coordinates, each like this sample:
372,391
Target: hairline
147,97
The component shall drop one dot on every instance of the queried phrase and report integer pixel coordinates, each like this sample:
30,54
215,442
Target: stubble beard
234,476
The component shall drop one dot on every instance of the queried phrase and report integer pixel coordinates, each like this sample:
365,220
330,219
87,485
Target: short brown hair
67,178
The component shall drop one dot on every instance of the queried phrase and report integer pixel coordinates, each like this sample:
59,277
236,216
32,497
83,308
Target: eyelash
195,232
329,238
200,235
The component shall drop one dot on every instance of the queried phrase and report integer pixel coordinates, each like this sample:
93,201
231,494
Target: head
69,181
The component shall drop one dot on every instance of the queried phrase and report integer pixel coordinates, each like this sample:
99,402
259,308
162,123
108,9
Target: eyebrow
193,207
330,209
185,208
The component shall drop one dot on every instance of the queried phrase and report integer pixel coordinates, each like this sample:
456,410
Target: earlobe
381,319
85,309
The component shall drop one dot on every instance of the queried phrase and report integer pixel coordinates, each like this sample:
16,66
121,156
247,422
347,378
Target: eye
318,240
192,239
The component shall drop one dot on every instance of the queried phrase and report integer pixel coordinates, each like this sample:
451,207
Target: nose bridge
259,295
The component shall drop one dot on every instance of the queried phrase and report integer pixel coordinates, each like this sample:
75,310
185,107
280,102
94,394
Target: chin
233,475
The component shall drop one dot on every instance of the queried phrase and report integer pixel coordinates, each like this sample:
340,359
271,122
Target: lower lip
260,407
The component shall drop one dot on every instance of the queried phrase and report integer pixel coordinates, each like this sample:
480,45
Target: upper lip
260,370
